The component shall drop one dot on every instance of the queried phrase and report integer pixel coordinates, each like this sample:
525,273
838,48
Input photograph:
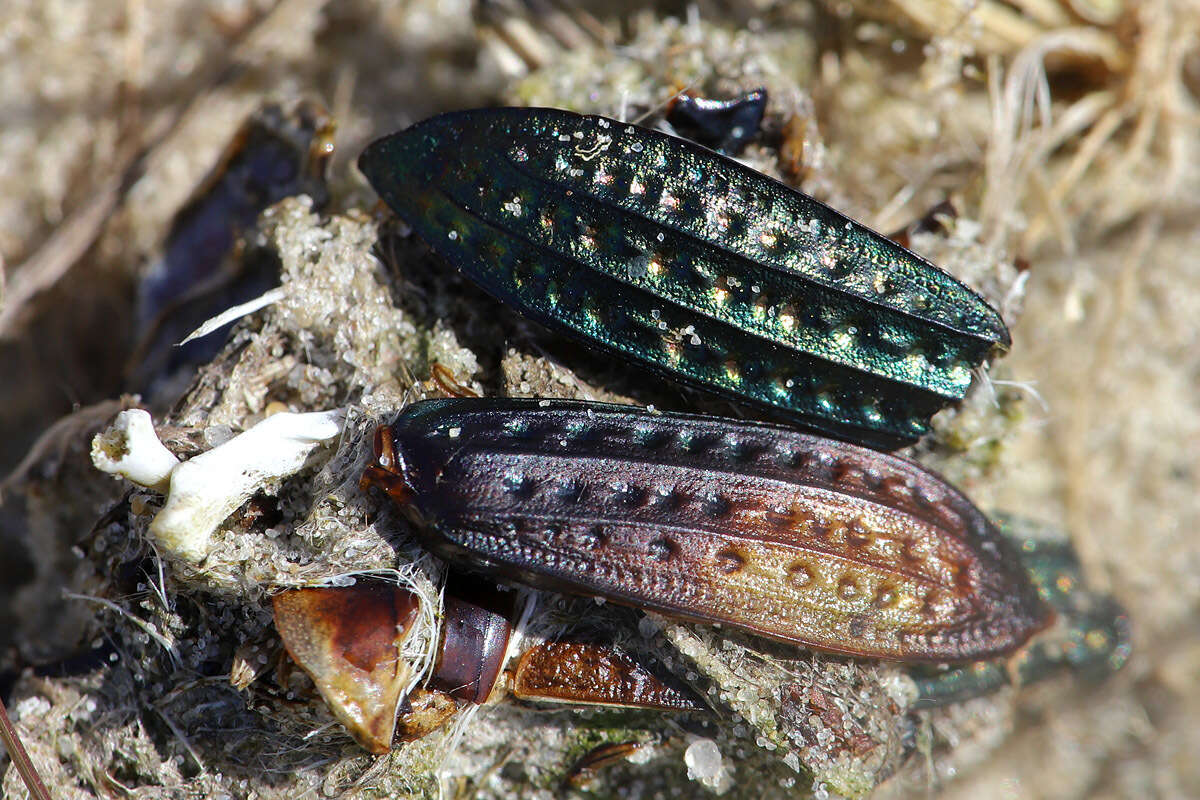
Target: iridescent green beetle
691,264
1091,637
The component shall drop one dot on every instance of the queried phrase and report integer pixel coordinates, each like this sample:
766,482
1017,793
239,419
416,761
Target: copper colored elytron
793,536
586,673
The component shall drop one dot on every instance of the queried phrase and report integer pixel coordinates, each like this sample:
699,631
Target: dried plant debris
1049,126
999,28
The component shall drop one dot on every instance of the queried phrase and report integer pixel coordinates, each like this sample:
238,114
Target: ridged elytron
691,264
789,535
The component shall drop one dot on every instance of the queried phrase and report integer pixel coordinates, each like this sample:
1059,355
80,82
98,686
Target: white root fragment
205,490
208,488
130,449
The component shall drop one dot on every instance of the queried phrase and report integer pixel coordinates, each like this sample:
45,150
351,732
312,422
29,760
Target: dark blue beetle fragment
275,154
691,264
726,126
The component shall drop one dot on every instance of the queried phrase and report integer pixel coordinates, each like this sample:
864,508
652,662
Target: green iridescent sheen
690,263
1090,639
